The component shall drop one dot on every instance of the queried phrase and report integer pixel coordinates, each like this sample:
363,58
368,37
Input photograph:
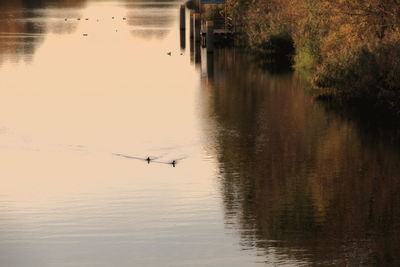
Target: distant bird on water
169,53
151,159
112,17
148,159
175,161
124,18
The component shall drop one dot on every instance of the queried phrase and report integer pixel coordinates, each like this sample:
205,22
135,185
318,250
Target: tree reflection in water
299,181
23,24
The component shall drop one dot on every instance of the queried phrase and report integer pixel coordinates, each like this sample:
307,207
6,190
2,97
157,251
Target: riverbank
352,48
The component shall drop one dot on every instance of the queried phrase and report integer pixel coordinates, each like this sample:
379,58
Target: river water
265,175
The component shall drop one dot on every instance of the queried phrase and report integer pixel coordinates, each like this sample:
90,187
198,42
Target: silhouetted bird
78,18
124,18
169,53
175,161
148,160
86,19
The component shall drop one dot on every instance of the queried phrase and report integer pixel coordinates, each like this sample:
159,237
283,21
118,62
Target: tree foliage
353,45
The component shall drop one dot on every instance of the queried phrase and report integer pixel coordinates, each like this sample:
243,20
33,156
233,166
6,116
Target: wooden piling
198,5
182,37
182,12
210,36
191,30
210,66
197,26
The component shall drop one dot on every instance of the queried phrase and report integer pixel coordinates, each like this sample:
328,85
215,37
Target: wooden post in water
198,5
182,17
197,54
210,66
210,36
183,39
191,30
197,26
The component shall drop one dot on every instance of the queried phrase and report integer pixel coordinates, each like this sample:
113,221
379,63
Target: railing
223,25
228,24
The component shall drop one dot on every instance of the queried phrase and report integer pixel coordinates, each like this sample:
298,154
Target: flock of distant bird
151,159
66,19
85,34
170,53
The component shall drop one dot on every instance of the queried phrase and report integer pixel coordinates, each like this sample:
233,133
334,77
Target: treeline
352,46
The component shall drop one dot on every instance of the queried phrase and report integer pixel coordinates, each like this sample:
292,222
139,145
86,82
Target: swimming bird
175,161
112,17
124,18
87,19
78,18
169,53
148,159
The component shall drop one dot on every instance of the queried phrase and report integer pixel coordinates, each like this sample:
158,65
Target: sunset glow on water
265,175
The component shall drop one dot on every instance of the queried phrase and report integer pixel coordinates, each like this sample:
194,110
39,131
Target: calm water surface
267,176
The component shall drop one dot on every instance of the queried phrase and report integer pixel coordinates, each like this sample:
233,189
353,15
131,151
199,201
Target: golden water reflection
298,181
84,95
23,25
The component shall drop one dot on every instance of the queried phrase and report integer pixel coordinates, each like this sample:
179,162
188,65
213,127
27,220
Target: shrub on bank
365,73
352,46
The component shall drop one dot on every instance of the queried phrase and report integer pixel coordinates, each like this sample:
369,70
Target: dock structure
222,32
